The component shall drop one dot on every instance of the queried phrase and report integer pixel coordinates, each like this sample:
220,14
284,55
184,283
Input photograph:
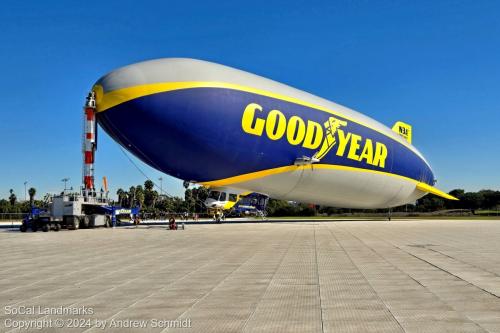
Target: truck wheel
57,227
45,227
92,219
85,222
34,228
23,228
74,223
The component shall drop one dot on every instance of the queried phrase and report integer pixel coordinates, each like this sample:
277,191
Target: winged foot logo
311,135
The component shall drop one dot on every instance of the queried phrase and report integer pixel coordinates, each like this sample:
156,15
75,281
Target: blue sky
433,64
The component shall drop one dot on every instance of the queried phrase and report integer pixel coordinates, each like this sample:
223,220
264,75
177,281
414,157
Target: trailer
74,211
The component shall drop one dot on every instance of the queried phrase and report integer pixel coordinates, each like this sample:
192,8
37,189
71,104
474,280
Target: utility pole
65,180
25,183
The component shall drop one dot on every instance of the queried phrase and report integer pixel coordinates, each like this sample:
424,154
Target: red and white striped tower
89,144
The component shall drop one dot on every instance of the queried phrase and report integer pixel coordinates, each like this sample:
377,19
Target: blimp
225,128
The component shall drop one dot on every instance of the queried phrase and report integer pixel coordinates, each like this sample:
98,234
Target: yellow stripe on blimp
105,101
264,173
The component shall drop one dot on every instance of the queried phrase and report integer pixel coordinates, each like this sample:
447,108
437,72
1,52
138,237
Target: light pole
161,185
25,183
65,180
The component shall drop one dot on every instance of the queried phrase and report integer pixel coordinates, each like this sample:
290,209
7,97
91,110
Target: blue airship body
218,126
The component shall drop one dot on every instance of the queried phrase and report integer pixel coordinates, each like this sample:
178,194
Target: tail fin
431,189
403,129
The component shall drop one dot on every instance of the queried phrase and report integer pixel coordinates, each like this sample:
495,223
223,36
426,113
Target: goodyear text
309,134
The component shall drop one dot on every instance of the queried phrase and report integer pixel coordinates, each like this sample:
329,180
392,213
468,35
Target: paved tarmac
351,276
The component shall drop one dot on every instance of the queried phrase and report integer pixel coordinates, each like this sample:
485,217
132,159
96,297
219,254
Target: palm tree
131,196
148,185
139,195
12,197
32,192
155,196
120,194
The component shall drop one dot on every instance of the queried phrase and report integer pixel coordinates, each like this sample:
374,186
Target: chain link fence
11,220
16,217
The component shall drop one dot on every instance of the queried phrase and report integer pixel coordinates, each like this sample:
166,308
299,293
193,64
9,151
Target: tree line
151,201
472,201
13,205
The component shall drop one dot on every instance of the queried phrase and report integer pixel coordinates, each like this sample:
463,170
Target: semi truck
74,211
